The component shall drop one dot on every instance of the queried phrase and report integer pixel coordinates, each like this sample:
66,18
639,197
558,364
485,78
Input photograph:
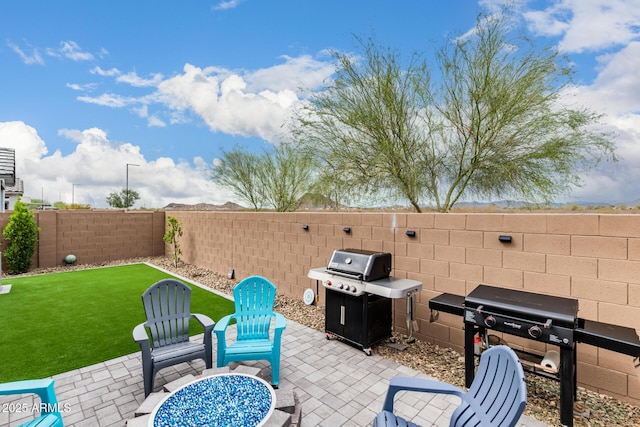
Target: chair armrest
418,385
206,322
222,324
280,326
281,322
23,387
140,335
49,412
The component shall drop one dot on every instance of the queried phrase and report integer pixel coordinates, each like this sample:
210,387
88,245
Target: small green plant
174,230
22,234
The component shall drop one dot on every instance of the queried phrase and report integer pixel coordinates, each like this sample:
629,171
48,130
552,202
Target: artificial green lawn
58,322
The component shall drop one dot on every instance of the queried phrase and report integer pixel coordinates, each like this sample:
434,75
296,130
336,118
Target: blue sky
87,87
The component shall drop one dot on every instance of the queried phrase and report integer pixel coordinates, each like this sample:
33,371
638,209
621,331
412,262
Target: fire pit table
233,400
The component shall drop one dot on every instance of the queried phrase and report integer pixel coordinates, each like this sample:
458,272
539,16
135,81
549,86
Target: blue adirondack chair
253,297
496,398
49,410
167,307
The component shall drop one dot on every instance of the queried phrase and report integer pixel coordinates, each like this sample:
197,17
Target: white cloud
107,73
616,182
97,167
109,100
33,58
24,139
142,111
68,49
615,92
226,106
155,121
82,88
303,72
134,80
225,5
617,85
588,24
71,50
245,103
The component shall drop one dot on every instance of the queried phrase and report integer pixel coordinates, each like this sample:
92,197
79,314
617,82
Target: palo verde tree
22,234
237,171
285,177
124,199
492,124
276,179
364,130
174,230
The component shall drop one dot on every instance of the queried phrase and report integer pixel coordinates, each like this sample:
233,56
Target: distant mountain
311,201
509,204
315,202
516,204
229,206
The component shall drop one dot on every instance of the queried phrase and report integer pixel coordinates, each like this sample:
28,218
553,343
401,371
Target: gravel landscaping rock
441,363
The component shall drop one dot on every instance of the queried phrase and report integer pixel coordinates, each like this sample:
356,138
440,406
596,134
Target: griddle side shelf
448,303
619,339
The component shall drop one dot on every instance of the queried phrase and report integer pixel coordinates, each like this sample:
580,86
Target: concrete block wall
94,236
593,258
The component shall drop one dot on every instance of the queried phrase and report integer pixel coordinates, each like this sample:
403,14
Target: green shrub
22,234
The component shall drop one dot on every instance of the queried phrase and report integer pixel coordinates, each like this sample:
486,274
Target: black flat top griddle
524,305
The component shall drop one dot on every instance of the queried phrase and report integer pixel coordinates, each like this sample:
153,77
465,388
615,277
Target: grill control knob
354,289
347,288
535,332
340,286
490,321
327,282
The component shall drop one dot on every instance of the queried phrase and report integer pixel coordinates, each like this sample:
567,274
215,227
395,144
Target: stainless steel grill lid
361,264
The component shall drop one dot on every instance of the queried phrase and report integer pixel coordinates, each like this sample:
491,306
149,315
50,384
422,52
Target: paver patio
338,385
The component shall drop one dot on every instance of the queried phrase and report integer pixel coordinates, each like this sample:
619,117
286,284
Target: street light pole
126,193
73,194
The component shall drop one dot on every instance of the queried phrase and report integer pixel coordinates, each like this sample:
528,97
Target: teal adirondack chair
497,397
253,297
49,410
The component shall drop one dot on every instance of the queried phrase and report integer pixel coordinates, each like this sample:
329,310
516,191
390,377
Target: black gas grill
545,318
358,296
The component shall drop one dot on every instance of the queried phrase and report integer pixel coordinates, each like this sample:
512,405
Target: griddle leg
567,390
469,361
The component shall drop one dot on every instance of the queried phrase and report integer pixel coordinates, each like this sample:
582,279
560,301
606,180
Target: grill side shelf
612,337
448,303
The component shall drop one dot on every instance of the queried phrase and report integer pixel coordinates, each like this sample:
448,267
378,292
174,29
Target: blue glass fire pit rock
232,400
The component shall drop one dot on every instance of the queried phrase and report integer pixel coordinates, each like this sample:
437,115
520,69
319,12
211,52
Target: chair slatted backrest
498,394
254,298
167,307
